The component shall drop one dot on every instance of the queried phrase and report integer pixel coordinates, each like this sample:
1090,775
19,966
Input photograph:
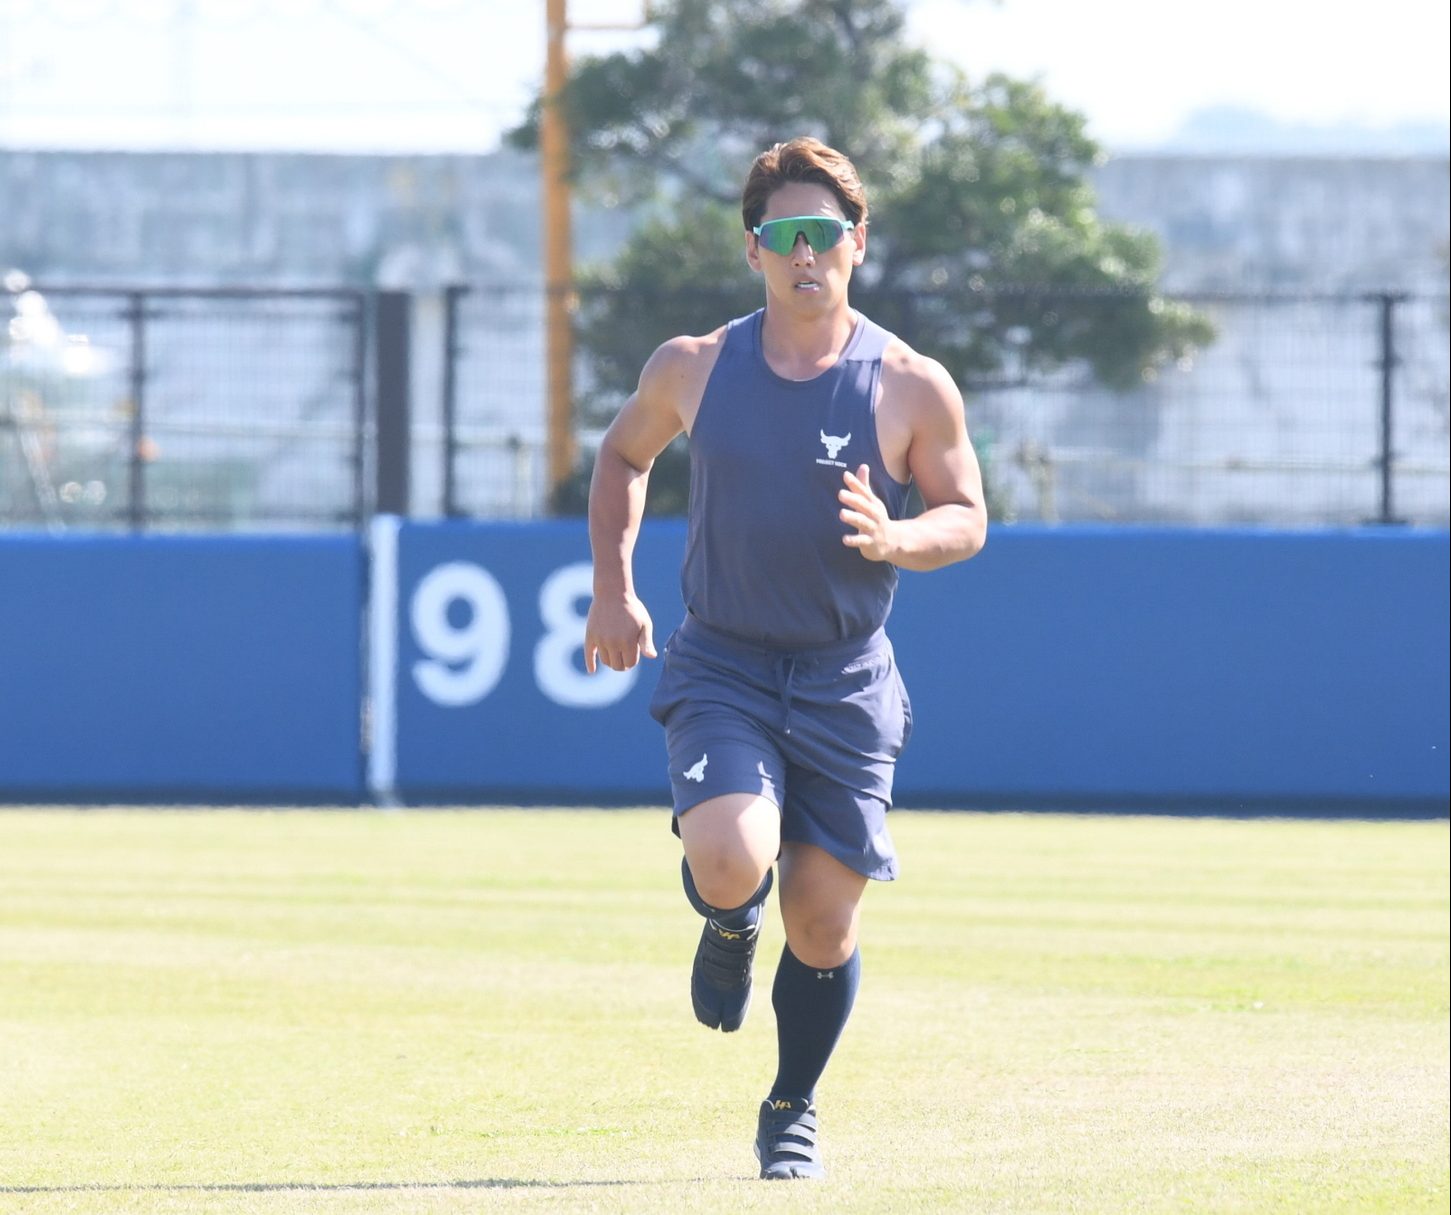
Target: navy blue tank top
764,560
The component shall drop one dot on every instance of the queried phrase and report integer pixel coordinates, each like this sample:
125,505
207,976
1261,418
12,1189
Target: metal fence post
451,297
358,315
136,496
392,379
1385,458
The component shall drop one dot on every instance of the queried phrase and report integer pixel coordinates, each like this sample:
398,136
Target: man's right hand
616,633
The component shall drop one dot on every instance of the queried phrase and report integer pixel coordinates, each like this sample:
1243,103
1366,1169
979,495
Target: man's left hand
863,510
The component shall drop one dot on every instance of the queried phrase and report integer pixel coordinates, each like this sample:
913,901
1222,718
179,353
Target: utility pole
558,236
558,248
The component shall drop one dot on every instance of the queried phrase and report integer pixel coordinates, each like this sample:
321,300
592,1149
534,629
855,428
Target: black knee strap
705,908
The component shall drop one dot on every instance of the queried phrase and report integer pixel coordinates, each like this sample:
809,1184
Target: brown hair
802,159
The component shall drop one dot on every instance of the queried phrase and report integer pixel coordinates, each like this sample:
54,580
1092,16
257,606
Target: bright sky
449,75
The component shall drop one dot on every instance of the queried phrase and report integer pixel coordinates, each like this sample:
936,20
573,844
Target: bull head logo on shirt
834,444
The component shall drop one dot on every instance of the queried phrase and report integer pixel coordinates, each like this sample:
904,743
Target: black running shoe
786,1140
720,983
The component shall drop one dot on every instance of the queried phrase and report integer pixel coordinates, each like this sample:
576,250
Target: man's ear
753,251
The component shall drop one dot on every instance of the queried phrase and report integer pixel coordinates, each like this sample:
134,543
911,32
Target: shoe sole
799,1170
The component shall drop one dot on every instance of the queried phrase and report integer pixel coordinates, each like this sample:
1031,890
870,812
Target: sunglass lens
779,235
822,234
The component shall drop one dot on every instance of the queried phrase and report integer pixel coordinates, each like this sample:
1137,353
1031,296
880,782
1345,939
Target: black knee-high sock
812,1007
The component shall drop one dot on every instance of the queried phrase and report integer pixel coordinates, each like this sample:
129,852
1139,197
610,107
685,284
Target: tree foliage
986,251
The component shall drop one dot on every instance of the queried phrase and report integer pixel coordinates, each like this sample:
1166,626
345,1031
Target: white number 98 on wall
459,618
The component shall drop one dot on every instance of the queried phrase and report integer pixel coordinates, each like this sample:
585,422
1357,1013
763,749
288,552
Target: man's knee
725,878
821,936
820,905
730,845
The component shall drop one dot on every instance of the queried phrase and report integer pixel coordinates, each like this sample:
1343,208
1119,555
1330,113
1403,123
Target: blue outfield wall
214,669
1233,672
491,696
1066,667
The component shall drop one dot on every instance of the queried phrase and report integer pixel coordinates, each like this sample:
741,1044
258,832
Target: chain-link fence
1304,411
254,409
494,403
182,409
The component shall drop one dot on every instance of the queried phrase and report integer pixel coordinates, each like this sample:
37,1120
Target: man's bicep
941,456
647,421
638,435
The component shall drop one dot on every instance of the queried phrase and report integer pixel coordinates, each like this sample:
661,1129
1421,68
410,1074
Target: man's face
805,276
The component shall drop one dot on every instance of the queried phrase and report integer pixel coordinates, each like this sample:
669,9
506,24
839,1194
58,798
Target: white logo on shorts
697,773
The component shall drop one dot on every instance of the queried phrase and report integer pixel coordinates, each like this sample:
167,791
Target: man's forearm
938,537
616,506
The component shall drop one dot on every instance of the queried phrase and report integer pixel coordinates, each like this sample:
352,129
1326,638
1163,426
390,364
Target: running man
783,710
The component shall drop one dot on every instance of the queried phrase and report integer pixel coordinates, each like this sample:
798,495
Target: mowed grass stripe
457,1011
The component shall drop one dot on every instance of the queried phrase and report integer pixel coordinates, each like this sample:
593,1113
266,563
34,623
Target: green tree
986,249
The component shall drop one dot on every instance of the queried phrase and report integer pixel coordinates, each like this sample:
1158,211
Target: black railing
172,408
144,408
1305,410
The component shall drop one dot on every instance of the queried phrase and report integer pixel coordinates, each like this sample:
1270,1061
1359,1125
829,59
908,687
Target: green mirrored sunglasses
822,232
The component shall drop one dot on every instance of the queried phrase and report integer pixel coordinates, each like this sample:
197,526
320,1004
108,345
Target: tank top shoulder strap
741,333
869,342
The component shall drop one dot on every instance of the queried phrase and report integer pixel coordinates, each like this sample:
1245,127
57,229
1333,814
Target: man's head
802,161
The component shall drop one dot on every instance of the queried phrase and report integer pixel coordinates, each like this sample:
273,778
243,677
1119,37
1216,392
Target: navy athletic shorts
816,731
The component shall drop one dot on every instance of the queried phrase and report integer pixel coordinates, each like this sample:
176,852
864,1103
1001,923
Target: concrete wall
276,218
1288,224
1326,223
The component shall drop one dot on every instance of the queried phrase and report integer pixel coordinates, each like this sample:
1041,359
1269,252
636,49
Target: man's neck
801,348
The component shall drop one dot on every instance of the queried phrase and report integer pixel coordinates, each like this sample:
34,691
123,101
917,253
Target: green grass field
337,1011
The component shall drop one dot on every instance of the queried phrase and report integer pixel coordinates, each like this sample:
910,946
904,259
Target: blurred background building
255,397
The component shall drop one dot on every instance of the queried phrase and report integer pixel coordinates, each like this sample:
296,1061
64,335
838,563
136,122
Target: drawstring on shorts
785,672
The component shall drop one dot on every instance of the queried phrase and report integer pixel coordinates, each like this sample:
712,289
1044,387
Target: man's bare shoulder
675,376
683,356
915,381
